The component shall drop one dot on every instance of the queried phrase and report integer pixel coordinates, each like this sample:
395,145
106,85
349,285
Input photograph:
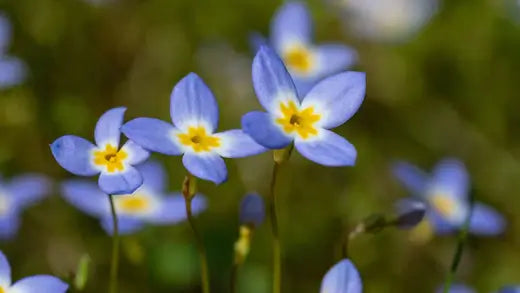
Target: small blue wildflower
12,70
456,288
291,37
445,193
510,289
252,210
149,204
79,156
342,278
38,283
304,120
194,112
16,195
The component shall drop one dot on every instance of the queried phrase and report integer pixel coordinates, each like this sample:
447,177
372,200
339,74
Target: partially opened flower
446,193
12,69
303,120
150,204
194,113
342,278
16,195
79,156
33,284
292,38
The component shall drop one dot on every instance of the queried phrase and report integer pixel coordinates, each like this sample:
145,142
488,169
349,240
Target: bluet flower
149,204
291,37
12,69
342,278
33,284
303,120
80,157
15,196
510,289
194,113
445,193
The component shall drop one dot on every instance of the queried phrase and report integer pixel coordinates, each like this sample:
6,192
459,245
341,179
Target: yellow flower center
422,233
299,59
111,158
198,139
2,290
132,203
299,121
445,205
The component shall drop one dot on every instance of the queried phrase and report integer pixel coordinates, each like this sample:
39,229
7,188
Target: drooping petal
9,225
328,149
28,189
271,80
173,209
256,41
291,24
39,284
107,128
261,128
126,224
413,178
86,196
207,166
153,134
486,221
136,154
237,144
451,176
252,210
74,154
5,271
120,182
337,98
12,71
192,102
342,278
333,58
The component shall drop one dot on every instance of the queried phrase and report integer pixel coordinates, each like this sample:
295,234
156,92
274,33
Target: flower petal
236,144
136,154
510,289
152,134
261,128
486,221
39,284
28,189
413,178
173,209
86,196
125,224
451,176
9,225
328,149
74,154
120,182
12,71
333,58
256,41
154,176
291,23
107,128
342,278
337,97
207,166
5,271
271,80
192,102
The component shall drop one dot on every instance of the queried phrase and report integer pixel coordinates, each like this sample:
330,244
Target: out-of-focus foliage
451,89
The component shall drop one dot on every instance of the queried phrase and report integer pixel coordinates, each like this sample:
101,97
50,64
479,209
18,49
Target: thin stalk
114,266
277,264
234,274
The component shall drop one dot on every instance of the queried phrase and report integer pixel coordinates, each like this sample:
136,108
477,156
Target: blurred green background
450,90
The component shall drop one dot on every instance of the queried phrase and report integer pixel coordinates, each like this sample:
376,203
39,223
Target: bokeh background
447,87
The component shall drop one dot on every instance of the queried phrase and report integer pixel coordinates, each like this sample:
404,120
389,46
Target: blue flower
16,195
342,278
12,70
304,120
456,288
79,156
194,113
252,210
446,194
147,205
38,283
510,289
291,37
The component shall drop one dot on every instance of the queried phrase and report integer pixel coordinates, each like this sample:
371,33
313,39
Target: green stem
234,274
115,249
277,265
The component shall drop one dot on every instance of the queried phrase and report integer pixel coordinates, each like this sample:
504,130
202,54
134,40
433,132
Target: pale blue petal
5,271
107,128
136,154
510,289
236,144
413,178
28,189
303,85
256,41
291,23
152,134
252,210
486,221
207,166
456,288
74,154
120,182
441,225
337,97
261,128
192,102
328,149
154,176
39,284
173,209
450,175
86,196
342,278
333,58
9,225
125,224
5,33
12,71
271,79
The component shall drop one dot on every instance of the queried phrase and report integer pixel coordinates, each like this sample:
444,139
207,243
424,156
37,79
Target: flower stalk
114,265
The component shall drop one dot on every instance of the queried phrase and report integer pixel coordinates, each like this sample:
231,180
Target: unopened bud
410,212
252,210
